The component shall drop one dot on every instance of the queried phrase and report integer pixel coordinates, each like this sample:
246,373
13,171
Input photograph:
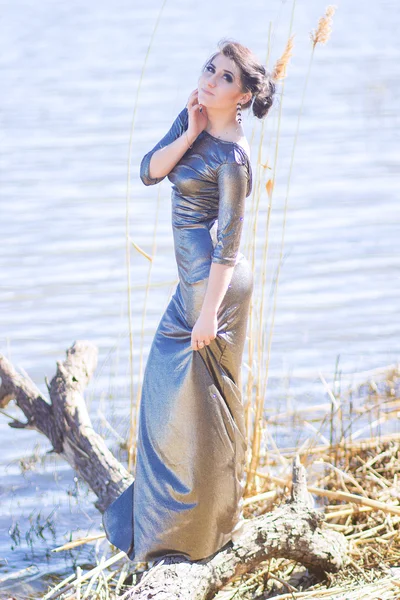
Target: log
65,420
293,530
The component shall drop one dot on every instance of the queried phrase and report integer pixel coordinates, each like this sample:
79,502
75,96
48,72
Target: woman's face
221,78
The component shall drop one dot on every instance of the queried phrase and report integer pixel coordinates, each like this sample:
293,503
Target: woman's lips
206,92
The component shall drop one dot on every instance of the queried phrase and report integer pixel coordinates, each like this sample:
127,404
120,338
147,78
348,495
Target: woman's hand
204,330
197,119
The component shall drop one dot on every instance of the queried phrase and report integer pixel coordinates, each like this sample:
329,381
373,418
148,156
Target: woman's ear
246,98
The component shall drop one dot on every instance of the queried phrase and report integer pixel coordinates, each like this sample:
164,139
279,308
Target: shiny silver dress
187,495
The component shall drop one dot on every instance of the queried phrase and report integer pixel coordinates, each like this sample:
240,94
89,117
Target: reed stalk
255,441
133,412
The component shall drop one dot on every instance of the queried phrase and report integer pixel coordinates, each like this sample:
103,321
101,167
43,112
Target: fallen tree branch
66,422
293,530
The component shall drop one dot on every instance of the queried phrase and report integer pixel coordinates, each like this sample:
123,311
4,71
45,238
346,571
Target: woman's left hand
204,330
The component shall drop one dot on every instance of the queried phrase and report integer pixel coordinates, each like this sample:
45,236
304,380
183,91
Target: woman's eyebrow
226,70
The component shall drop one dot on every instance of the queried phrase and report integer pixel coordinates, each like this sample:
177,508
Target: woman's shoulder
240,153
237,155
245,146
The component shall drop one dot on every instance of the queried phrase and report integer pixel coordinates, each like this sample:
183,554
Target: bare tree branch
66,422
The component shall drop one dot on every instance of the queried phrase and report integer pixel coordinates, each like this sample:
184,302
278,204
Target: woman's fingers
198,344
192,99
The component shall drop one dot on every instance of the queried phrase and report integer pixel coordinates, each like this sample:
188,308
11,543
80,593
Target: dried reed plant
258,355
279,70
324,29
260,344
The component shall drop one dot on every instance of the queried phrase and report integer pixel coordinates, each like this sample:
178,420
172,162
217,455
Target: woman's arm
218,282
165,159
206,326
232,184
161,159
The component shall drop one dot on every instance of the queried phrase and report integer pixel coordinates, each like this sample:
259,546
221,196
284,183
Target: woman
187,495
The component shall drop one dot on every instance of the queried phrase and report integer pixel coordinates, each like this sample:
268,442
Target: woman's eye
226,74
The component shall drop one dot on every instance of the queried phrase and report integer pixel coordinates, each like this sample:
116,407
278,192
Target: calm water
69,76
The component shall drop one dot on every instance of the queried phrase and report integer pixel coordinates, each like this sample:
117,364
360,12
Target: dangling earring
239,113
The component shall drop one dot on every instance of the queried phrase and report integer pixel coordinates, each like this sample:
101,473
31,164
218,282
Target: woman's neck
222,126
231,132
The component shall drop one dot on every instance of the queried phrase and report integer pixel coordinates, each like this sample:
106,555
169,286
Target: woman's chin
204,99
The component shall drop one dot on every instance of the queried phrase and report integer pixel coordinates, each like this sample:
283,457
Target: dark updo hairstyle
254,76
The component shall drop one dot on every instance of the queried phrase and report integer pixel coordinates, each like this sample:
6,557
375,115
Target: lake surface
69,77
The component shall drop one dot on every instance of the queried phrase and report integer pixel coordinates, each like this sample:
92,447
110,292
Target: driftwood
294,530
66,422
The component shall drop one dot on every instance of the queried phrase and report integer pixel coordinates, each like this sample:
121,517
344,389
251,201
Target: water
69,75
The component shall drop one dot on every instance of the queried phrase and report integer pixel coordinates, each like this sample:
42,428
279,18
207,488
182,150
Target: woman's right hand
197,120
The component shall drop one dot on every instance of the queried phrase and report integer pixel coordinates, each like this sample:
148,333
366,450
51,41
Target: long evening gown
186,498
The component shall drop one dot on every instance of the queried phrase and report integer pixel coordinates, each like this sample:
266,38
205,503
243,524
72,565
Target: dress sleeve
177,128
232,184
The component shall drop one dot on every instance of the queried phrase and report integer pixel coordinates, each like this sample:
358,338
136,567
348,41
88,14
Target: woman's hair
254,76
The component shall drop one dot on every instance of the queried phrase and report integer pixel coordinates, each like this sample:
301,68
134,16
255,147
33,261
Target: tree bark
66,422
294,530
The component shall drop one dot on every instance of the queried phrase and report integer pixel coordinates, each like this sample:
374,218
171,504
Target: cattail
324,27
279,70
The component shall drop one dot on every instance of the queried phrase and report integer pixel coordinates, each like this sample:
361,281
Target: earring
239,112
